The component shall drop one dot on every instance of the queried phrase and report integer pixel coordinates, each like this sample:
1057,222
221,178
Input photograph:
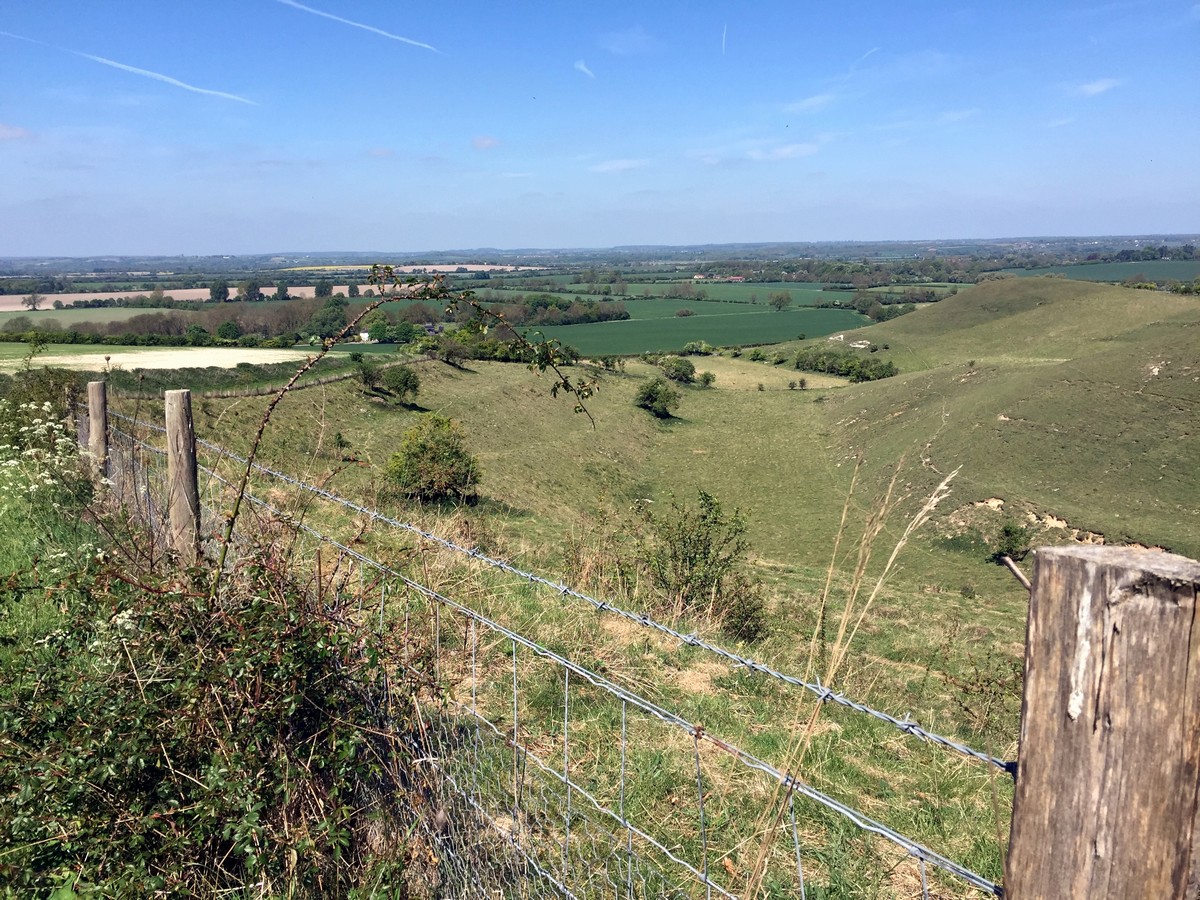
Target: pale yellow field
12,302
173,358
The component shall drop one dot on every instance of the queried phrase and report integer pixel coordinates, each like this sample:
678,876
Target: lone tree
433,462
658,397
281,291
323,288
251,290
33,301
780,300
402,382
218,291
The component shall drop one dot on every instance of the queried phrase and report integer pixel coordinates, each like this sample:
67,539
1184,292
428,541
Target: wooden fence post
183,501
98,425
1109,775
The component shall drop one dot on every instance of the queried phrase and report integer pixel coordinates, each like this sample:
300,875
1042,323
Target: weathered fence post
183,498
98,425
1109,777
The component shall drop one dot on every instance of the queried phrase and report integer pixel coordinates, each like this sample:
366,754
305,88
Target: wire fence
540,774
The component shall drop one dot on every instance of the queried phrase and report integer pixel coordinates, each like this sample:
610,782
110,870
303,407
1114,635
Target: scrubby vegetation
163,738
433,462
844,363
657,397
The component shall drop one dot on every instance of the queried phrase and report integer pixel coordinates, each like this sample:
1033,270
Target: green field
719,324
802,293
1148,270
65,319
12,350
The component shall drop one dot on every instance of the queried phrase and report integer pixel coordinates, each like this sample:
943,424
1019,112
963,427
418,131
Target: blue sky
275,125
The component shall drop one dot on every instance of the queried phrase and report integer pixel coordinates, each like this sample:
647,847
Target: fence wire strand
824,694
475,752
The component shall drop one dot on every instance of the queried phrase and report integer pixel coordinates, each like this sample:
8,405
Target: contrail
724,32
855,64
581,66
146,73
163,78
370,28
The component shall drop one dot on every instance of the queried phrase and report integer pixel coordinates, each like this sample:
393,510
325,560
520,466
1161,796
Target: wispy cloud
815,103
1059,123
629,42
484,142
1194,13
783,151
581,66
862,59
145,73
381,152
13,133
950,116
353,24
610,166
1099,86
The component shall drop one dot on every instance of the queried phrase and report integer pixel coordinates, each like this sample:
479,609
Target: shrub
694,557
658,397
706,379
682,313
678,369
194,746
452,352
433,462
1013,542
402,382
368,374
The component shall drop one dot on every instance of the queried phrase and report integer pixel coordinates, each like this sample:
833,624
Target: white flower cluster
39,457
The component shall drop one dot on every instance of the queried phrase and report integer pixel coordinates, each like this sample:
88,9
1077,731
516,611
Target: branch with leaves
541,356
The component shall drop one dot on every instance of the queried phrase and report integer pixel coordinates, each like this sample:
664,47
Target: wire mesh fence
533,772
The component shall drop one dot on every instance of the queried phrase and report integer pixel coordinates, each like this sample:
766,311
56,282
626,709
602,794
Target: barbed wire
824,694
790,782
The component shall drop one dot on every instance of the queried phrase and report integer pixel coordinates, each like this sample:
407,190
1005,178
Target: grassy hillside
1061,398
1066,402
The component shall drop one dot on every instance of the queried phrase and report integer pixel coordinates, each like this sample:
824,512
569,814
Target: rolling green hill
1066,399
1069,405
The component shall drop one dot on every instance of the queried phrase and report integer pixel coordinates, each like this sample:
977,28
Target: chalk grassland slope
1090,430
1067,399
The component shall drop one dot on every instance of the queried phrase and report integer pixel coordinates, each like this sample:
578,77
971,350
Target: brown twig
231,519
